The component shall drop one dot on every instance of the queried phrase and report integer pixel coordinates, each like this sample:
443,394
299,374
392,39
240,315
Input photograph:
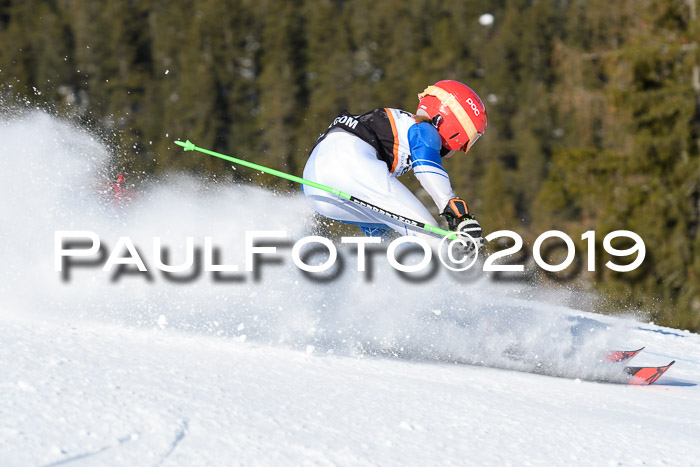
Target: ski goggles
470,143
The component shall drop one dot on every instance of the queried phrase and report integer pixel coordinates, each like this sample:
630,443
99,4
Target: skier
363,155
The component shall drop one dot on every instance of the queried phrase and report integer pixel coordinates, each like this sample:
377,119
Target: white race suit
363,156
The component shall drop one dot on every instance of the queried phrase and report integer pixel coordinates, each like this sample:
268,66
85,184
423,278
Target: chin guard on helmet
447,153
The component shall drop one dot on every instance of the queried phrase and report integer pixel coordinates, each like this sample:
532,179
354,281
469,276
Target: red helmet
456,111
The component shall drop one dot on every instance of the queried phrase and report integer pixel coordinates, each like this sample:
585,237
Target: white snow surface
282,370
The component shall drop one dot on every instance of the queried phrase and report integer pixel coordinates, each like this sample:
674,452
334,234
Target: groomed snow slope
287,371
104,395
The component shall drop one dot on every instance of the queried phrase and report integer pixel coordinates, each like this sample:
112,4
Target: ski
641,376
646,375
618,356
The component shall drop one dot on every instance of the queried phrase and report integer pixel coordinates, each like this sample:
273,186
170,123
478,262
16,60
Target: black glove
458,218
455,212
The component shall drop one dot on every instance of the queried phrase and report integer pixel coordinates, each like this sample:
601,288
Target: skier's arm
427,163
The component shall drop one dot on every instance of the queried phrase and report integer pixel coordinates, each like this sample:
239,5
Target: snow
284,370
486,19
114,395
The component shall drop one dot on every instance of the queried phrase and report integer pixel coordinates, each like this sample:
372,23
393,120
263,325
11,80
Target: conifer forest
593,106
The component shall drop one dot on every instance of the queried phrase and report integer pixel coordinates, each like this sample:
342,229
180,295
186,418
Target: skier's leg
400,200
347,163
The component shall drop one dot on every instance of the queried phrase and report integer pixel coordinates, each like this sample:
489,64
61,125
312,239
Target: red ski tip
646,375
621,355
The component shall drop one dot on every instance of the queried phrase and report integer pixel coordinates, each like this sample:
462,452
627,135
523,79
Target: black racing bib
372,127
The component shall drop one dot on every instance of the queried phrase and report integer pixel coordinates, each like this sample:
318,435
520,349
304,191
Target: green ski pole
189,146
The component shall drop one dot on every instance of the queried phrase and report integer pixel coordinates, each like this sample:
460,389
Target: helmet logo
473,106
451,102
